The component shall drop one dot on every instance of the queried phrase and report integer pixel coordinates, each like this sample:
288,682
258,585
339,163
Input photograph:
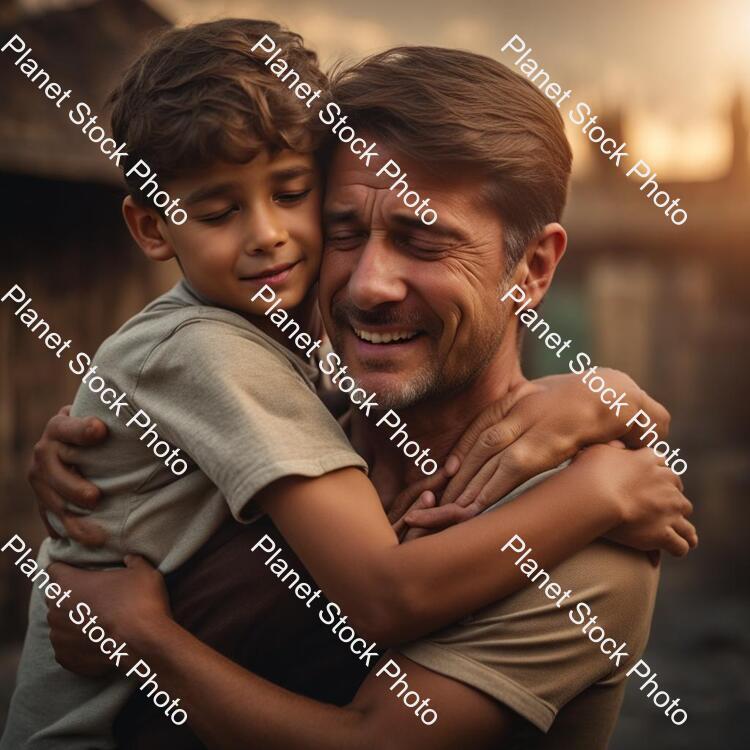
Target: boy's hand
535,427
647,493
55,480
128,603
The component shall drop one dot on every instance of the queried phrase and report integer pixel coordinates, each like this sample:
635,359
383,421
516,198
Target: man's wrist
147,638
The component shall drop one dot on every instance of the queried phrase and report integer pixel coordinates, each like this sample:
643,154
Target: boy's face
249,225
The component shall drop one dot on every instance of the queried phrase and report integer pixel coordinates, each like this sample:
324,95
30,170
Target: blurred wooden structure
63,238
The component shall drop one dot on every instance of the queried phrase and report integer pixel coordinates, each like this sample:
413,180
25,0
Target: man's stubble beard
430,382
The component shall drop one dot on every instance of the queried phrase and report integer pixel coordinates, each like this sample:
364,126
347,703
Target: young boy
205,364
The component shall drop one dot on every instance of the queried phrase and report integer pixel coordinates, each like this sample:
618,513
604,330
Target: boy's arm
230,708
535,427
336,525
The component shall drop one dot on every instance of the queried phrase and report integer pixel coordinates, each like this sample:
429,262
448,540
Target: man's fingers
70,485
86,532
80,432
47,525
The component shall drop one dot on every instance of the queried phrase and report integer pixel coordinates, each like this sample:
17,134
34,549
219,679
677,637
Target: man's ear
536,270
147,228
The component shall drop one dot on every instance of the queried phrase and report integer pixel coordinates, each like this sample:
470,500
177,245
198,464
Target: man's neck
435,423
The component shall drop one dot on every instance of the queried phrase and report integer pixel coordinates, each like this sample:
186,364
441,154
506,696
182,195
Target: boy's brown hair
199,95
450,109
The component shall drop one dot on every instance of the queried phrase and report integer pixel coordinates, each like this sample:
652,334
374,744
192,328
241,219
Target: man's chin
394,389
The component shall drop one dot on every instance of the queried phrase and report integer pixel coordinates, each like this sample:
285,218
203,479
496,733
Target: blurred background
670,305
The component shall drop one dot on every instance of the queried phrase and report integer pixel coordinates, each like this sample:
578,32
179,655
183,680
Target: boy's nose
265,232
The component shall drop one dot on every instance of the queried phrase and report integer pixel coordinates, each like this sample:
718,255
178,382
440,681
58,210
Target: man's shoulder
583,622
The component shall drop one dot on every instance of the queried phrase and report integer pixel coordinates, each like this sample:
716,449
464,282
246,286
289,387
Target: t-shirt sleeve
240,410
527,653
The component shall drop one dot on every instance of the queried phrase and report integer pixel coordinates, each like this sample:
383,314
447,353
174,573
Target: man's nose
265,230
378,276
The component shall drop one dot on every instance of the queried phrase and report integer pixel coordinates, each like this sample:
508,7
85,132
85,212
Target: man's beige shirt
527,653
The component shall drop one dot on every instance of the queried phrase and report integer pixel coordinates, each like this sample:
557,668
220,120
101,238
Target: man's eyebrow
341,216
211,191
436,230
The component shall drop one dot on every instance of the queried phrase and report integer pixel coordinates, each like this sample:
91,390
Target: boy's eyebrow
288,173
202,194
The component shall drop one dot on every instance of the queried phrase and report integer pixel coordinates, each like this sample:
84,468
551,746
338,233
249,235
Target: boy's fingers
407,497
661,420
687,531
414,532
437,518
675,544
80,432
488,448
486,419
425,500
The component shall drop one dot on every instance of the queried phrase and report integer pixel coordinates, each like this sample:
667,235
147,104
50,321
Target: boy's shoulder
193,331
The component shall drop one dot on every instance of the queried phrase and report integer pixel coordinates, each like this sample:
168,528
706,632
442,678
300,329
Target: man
491,154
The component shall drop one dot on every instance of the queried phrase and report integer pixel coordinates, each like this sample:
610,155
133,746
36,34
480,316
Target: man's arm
230,708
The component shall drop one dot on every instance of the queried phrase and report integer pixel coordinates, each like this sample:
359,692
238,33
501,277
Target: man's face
413,310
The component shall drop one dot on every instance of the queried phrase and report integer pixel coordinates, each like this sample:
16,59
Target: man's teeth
384,338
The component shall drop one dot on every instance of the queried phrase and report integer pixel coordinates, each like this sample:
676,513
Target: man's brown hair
450,109
199,95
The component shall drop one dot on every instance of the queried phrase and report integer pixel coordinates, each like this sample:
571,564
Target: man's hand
535,427
55,480
647,493
128,604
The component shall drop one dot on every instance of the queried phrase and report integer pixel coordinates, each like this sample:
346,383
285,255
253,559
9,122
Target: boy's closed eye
219,215
291,197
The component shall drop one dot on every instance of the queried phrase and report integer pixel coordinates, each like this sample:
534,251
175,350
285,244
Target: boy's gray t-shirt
243,411
241,407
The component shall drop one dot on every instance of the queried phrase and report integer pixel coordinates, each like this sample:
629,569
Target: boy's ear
536,270
147,229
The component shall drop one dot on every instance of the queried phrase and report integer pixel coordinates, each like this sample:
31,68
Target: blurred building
63,239
670,305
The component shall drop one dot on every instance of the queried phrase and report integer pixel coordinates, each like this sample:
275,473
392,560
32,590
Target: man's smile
383,336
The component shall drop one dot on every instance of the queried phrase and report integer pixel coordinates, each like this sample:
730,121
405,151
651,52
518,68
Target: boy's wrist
595,489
